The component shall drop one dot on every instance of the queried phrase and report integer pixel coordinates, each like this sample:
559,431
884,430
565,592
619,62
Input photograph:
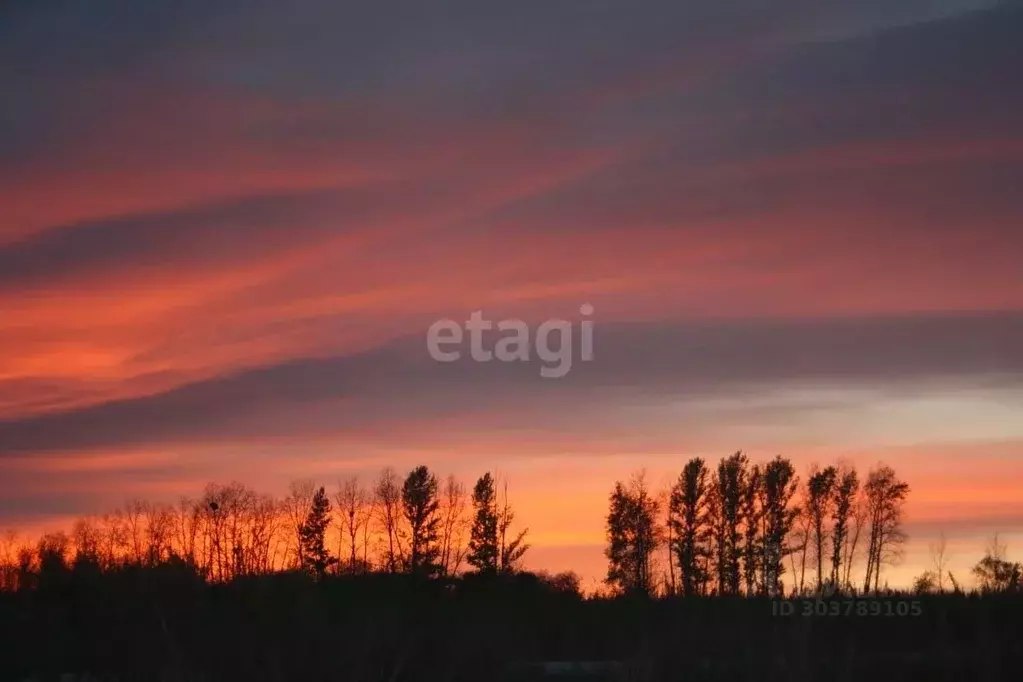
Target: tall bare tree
367,528
939,559
187,517
860,517
159,523
353,508
512,548
115,538
263,524
87,540
387,494
670,544
296,506
800,545
238,531
454,525
134,516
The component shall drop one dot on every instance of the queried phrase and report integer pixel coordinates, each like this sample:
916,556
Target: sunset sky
225,228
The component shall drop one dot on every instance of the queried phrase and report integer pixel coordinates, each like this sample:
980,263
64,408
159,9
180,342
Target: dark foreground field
166,624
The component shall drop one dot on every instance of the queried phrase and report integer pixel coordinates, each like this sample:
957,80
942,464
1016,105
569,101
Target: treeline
418,578
417,525
738,528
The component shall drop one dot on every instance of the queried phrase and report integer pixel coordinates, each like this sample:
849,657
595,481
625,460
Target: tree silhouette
689,525
483,547
925,583
727,494
845,491
420,507
388,505
939,558
8,561
632,537
512,550
885,495
800,545
779,489
860,518
994,573
753,550
354,510
312,536
232,531
453,526
52,555
819,501
296,505
219,566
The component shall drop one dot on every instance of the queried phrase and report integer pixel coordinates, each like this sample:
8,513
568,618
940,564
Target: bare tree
454,525
512,550
939,559
367,528
114,538
87,540
159,529
664,498
264,523
353,504
388,506
280,537
861,514
297,504
800,546
134,524
187,515
238,531
214,512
